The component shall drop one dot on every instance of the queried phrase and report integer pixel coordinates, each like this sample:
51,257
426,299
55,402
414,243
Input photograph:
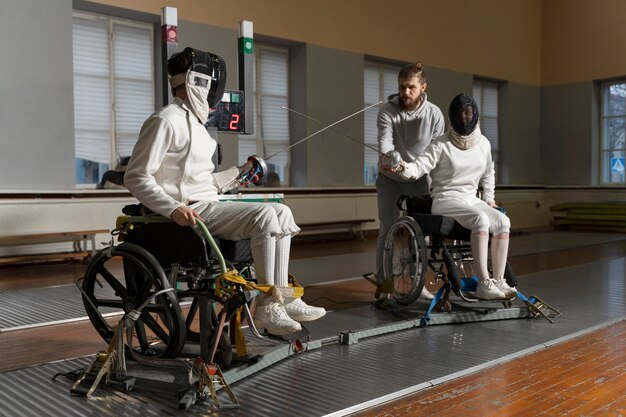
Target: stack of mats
608,216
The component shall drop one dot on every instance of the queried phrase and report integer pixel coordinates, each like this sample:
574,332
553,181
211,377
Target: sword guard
252,171
391,160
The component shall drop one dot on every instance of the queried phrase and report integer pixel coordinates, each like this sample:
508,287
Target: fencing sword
255,166
333,129
390,159
323,129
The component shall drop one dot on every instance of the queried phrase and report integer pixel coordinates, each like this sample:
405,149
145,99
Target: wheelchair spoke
109,303
156,328
117,286
140,334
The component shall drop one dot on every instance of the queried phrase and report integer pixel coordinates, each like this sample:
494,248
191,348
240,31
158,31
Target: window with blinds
380,81
114,90
271,127
613,132
486,96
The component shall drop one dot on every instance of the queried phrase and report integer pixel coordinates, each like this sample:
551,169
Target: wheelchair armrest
136,210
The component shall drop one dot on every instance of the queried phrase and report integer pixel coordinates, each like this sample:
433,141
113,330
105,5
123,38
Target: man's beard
410,102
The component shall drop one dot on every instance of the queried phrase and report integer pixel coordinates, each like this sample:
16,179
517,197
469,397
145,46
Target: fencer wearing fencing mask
463,115
204,77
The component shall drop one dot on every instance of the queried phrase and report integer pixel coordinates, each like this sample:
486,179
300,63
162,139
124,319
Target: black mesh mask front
457,107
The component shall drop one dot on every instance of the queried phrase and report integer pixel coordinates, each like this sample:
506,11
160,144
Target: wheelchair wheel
224,352
405,261
119,280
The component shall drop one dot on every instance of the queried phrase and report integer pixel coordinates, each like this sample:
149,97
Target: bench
355,226
84,246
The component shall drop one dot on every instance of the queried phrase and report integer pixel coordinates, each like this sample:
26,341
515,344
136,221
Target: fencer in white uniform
171,172
459,162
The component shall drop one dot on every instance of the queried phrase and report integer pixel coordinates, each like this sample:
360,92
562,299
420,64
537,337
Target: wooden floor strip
585,376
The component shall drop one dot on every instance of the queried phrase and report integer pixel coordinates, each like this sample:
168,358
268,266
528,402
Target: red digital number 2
234,121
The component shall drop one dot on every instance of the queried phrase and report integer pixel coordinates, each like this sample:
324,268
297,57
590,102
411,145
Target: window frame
605,165
111,22
258,136
479,82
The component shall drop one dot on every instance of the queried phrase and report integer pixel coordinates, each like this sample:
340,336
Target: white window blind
486,96
271,121
134,83
92,98
380,81
113,90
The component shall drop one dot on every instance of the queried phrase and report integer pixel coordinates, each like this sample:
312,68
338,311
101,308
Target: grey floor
337,379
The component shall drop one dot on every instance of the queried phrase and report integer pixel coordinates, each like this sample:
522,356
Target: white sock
480,250
264,257
499,251
283,248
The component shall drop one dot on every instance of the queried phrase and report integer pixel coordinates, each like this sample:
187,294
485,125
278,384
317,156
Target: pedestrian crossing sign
617,165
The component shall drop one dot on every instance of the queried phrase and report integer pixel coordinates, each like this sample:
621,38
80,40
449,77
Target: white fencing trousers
473,213
269,226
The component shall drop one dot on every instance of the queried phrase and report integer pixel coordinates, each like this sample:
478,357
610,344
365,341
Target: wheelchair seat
170,243
432,224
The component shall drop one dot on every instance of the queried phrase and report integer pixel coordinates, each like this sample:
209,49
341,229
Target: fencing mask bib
204,81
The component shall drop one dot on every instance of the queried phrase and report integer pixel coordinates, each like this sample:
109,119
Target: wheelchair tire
404,260
224,352
119,280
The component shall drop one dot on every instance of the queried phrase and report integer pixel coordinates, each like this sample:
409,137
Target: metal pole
169,46
246,73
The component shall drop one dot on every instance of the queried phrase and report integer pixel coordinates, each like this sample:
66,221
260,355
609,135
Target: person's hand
493,204
402,171
390,161
250,172
184,216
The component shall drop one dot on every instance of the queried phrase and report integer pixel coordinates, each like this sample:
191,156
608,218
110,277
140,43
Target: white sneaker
301,311
426,295
273,317
487,290
509,292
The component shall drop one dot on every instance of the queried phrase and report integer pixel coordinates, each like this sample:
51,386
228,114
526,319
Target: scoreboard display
228,115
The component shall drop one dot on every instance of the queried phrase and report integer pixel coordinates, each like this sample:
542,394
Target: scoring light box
228,115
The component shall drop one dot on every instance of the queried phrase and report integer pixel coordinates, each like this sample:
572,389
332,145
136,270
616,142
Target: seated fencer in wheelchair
459,162
171,172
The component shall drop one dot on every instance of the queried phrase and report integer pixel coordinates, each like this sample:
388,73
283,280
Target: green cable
212,243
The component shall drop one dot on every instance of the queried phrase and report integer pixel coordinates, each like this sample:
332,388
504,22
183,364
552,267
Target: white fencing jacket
171,164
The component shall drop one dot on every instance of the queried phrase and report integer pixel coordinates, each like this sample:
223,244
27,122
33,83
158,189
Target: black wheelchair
186,288
420,242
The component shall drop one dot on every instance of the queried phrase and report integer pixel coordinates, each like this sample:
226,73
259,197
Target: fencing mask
463,114
204,76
